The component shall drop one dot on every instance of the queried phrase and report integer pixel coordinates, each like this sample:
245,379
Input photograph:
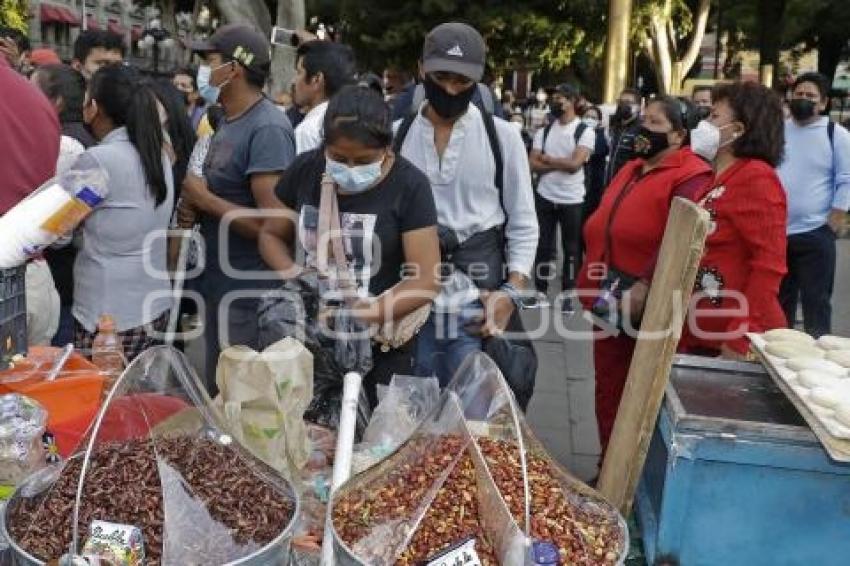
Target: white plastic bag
51,211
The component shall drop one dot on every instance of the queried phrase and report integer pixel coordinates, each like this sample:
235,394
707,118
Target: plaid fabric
135,341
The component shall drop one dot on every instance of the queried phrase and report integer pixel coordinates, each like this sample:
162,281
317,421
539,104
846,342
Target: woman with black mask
624,235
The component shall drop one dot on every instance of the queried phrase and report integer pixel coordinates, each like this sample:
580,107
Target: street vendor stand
720,463
735,476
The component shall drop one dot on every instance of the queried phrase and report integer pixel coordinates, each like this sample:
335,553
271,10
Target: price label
462,554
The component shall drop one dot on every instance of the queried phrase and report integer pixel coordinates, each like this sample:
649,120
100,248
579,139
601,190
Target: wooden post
617,50
666,310
766,75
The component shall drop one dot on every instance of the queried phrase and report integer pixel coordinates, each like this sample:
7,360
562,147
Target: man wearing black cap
478,168
558,155
252,146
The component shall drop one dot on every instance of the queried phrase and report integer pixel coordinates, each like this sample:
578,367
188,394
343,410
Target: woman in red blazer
622,239
738,280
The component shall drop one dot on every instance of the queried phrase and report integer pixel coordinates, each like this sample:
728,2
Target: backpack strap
546,130
496,148
488,105
401,133
580,129
830,132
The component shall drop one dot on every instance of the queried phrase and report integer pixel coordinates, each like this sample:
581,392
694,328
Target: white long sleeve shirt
464,185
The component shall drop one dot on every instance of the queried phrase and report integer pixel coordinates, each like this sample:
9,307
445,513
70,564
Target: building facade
56,24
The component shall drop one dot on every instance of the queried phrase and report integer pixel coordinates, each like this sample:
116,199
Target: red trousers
612,358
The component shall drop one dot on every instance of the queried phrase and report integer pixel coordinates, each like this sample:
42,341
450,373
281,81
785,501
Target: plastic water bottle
107,352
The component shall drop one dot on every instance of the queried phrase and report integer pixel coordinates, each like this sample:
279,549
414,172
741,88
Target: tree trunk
617,48
770,16
168,8
669,68
700,23
660,53
252,12
290,15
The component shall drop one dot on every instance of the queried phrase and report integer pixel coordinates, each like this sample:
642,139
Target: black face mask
556,109
623,113
447,106
802,108
703,112
648,144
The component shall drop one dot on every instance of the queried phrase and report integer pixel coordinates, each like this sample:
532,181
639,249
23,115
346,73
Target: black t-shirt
372,222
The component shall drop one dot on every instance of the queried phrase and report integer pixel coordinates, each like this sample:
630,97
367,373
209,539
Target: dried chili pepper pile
377,516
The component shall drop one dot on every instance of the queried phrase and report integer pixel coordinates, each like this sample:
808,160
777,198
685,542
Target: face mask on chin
447,106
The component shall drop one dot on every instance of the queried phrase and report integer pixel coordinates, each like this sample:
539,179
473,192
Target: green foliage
680,17
15,14
535,33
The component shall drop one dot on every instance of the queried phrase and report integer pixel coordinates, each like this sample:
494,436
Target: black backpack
516,358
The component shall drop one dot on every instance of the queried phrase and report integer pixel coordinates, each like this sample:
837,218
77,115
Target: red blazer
745,253
634,212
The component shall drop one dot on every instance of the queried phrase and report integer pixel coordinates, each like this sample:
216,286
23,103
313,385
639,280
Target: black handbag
516,358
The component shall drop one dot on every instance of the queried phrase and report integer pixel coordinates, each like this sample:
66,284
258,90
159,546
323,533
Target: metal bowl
274,553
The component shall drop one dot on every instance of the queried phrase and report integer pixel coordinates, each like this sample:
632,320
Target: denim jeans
444,343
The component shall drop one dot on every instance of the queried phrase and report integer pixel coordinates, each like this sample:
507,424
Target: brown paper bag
263,396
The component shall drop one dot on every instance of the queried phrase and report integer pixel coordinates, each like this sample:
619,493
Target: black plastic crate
13,314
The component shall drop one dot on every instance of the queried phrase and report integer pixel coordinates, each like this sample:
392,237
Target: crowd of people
443,194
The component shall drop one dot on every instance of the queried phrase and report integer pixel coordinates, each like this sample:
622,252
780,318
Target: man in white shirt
485,204
322,68
558,156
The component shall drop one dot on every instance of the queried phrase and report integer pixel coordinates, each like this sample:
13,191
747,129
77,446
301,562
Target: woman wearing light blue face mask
387,214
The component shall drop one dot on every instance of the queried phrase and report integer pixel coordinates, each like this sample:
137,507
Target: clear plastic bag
22,425
548,504
157,460
387,515
51,211
496,486
402,406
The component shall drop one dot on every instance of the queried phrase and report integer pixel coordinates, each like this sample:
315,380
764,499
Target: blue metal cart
735,477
